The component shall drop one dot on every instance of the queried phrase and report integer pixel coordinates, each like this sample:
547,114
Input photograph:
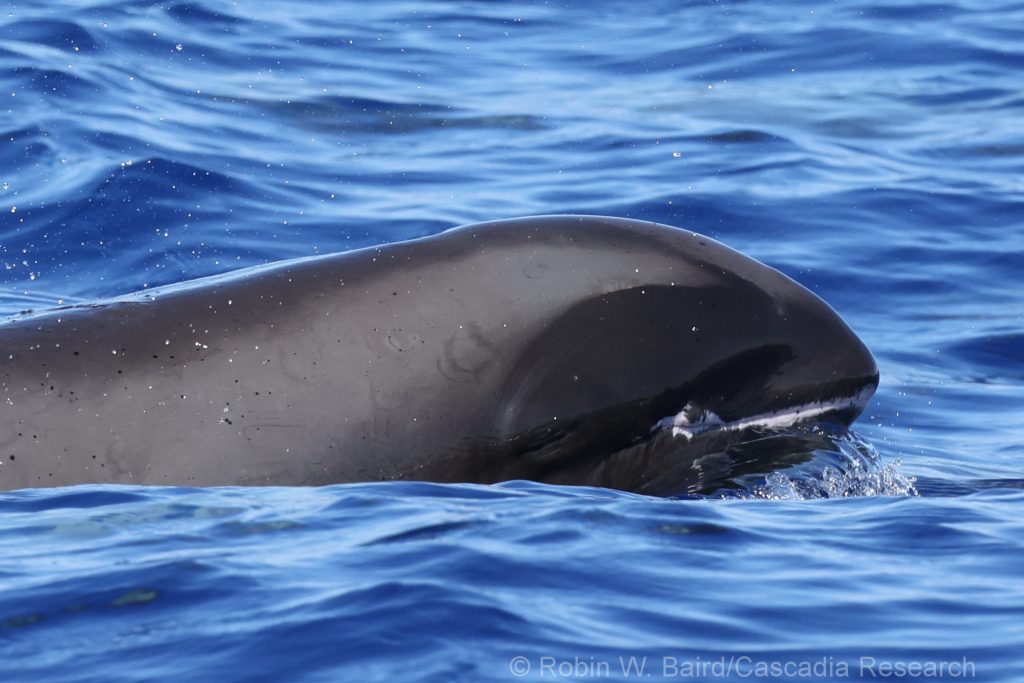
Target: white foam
860,478
843,465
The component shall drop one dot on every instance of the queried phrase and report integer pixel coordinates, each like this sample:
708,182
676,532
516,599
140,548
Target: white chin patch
693,419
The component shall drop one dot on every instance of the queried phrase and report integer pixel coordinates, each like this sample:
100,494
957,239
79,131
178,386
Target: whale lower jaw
693,420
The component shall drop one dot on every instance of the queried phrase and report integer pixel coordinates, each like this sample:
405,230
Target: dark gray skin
538,348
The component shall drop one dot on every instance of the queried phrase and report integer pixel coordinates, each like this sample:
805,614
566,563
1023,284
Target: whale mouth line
693,420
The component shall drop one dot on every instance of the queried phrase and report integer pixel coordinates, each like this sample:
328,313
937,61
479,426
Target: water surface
871,150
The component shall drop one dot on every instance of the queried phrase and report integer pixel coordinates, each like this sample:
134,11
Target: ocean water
872,150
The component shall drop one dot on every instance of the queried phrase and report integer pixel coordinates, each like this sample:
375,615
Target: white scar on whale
693,420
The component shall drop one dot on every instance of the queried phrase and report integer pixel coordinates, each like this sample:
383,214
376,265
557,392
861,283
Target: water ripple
870,150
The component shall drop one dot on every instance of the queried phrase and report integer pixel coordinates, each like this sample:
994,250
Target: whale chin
689,453
691,449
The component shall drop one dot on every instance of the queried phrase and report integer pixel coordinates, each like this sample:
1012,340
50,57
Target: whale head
634,388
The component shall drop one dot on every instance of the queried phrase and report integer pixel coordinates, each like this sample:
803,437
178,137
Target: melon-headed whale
561,349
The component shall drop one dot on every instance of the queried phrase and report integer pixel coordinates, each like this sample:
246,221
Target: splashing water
853,469
886,480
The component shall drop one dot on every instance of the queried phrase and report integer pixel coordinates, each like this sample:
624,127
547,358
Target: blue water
874,151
